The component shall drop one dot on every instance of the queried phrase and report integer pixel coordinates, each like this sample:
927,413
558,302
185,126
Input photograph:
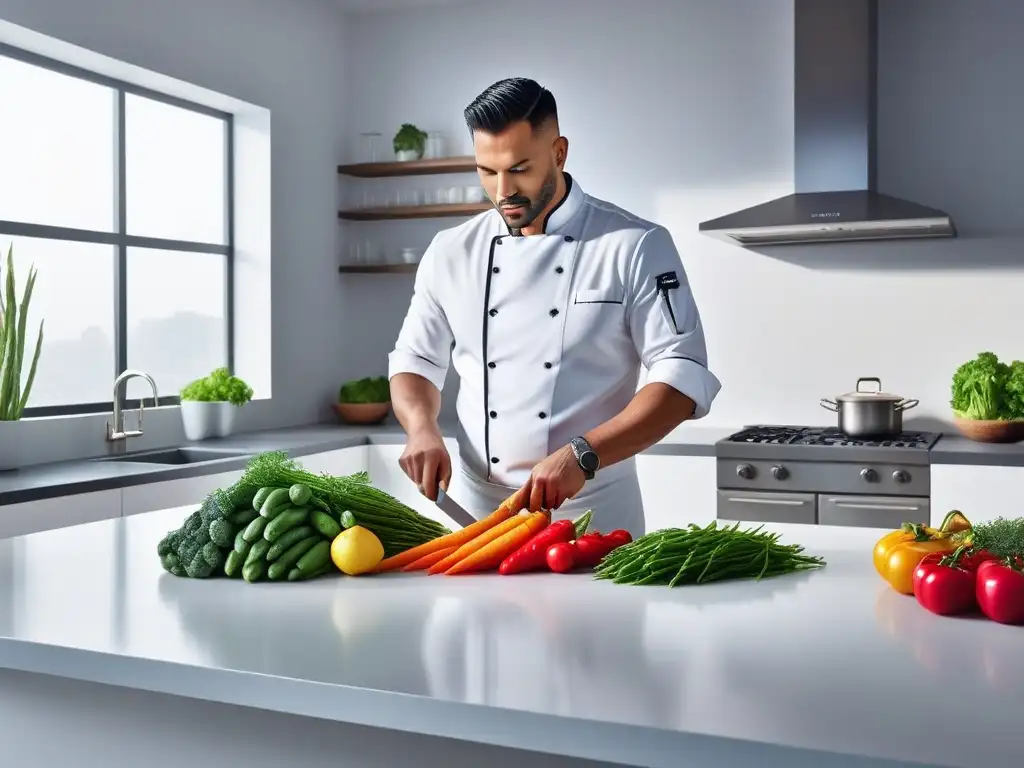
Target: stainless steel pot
869,413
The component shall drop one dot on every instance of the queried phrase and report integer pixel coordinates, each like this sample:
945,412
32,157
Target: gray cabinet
758,507
59,512
872,511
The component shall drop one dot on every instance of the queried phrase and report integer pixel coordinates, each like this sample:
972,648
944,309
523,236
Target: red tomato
590,550
561,557
943,589
1000,592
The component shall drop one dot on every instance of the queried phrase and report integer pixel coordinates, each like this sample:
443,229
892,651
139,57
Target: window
121,198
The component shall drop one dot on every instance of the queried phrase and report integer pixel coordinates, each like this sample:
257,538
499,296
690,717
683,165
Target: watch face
589,461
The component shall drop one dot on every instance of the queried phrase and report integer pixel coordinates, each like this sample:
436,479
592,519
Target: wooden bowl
990,431
362,413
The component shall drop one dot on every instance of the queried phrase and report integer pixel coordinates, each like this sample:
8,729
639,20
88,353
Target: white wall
286,56
681,110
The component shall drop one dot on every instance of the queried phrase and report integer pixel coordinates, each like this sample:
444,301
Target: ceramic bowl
362,413
990,431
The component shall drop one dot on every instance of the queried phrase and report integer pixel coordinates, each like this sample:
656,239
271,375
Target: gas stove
820,476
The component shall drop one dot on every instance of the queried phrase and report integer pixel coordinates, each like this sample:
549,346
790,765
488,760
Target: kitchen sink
177,456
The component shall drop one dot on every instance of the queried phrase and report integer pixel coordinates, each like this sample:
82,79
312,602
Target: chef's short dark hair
511,101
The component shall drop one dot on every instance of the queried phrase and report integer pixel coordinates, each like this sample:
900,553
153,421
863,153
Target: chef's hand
553,481
426,462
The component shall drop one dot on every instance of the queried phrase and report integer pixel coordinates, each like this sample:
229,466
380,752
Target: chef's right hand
426,462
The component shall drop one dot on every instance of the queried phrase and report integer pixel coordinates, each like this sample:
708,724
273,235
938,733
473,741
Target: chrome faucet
116,430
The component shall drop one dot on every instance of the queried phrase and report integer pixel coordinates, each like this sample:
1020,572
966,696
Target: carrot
474,544
454,539
491,554
428,560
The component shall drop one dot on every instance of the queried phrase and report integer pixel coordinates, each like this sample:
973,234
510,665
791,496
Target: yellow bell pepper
898,553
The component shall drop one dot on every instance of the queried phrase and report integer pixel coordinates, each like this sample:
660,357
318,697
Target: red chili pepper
531,556
589,551
1000,591
972,559
943,586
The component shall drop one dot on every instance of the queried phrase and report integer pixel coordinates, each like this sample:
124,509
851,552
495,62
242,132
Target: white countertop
830,660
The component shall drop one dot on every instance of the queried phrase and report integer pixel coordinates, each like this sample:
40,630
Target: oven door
873,511
766,507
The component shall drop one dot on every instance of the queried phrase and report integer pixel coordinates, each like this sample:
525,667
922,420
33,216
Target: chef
547,306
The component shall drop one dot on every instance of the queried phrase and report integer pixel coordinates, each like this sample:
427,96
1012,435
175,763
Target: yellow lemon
356,550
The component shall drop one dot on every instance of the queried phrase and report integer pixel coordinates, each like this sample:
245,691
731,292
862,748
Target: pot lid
864,393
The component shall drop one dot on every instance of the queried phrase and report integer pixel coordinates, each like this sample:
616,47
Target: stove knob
869,475
780,473
900,476
746,471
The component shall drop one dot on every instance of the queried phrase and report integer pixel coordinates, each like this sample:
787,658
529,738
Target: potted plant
409,142
364,401
988,399
209,404
14,390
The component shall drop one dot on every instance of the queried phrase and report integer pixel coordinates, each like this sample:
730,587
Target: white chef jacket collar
560,216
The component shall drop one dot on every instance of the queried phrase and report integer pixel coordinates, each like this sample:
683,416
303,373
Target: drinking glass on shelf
369,146
434,145
456,195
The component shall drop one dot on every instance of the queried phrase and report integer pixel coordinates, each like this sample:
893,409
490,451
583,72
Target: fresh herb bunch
372,389
219,387
13,323
696,555
1001,537
409,137
986,388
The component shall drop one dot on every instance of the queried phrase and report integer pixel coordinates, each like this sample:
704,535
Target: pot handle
906,405
875,379
829,405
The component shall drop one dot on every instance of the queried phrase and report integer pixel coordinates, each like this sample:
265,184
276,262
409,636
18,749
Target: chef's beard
531,208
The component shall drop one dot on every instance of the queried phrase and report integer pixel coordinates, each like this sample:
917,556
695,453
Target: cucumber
277,498
348,520
280,524
300,494
326,524
296,575
258,553
275,512
243,517
291,556
233,565
315,558
254,571
260,497
275,572
254,530
291,536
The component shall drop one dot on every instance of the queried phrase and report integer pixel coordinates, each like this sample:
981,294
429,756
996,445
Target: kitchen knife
452,508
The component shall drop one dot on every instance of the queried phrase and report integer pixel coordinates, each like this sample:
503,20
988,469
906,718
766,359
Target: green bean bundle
695,555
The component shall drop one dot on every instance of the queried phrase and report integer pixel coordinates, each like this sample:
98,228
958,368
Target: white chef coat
548,333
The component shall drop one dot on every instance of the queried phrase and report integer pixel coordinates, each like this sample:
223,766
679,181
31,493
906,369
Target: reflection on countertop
829,660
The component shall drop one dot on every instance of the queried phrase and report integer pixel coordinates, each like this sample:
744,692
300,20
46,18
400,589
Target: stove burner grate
829,436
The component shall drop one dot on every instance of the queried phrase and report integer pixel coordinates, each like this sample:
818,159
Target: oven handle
777,502
884,507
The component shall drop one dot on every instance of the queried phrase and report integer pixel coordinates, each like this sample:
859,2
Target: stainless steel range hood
835,153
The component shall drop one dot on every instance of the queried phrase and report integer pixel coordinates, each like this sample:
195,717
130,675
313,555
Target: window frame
119,237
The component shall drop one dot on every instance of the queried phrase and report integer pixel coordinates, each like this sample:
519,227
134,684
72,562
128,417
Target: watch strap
580,446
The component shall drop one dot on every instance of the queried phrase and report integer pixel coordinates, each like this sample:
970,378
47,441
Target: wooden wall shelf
462,164
376,269
414,211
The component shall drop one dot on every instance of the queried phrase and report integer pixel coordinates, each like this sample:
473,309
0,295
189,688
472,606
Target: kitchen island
107,660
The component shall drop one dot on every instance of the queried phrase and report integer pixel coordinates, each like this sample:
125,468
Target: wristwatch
586,457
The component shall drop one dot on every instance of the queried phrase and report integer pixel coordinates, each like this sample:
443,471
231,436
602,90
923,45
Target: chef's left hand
553,481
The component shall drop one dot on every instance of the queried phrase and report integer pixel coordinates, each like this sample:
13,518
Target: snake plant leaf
13,333
31,371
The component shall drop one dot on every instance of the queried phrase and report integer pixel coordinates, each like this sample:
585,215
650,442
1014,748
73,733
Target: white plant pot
405,155
12,440
203,421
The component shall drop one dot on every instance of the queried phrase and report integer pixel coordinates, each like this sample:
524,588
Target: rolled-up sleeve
424,343
665,323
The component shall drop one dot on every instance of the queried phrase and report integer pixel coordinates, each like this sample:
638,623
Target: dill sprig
1002,537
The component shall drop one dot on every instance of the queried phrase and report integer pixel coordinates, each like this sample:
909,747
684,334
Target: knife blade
453,509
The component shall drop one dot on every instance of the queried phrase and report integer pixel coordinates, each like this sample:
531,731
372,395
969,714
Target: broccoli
222,533
213,555
215,506
979,388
